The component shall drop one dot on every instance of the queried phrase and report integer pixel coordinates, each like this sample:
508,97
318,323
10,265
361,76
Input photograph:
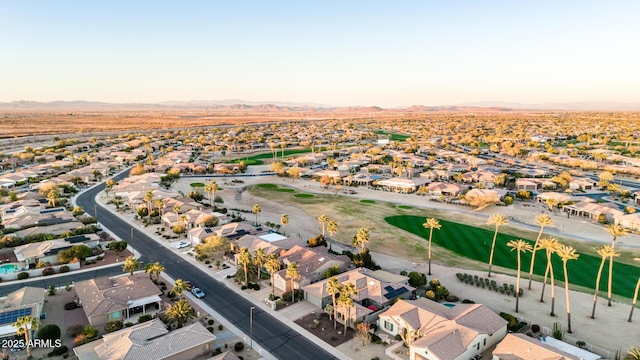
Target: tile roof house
312,263
25,301
628,221
375,290
523,347
116,298
150,341
434,331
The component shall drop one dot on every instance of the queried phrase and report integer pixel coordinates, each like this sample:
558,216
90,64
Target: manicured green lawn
394,137
248,162
304,195
268,186
475,243
367,201
405,207
285,190
197,185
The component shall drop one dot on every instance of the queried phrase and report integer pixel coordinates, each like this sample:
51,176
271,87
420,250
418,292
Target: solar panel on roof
388,288
10,317
395,293
208,231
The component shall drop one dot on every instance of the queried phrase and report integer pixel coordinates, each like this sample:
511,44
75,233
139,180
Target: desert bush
239,346
48,271
74,330
64,269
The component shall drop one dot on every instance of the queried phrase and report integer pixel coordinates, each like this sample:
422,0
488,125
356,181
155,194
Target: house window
114,315
388,326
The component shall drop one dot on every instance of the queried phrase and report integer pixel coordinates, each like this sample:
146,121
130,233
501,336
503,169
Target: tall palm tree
273,266
25,325
244,259
180,312
346,301
633,353
332,229
53,198
550,245
159,203
211,189
154,269
567,253
183,220
130,265
519,246
256,210
635,295
293,274
334,287
323,220
179,287
606,252
497,220
176,209
363,236
431,223
614,231
284,221
148,198
542,220
109,184
259,259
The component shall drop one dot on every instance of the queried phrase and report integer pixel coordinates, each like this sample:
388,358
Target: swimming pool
449,305
8,268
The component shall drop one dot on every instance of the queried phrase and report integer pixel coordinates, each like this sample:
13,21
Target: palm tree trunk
610,280
493,245
430,234
544,283
595,295
335,311
553,290
635,297
273,286
246,275
533,256
346,320
566,293
518,284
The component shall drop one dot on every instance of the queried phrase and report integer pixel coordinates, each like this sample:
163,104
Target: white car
197,292
182,244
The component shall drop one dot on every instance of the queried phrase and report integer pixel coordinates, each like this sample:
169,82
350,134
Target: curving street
277,338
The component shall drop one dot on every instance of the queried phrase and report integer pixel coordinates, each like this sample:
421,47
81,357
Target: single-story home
434,331
117,298
150,340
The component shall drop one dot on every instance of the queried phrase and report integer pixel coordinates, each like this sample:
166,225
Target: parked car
182,244
197,292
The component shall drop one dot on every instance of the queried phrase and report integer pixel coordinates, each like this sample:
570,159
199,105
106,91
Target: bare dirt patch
322,327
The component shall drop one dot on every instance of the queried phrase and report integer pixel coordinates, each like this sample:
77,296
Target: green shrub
113,325
64,269
128,324
210,322
70,305
239,346
49,332
220,327
58,351
90,332
23,275
145,317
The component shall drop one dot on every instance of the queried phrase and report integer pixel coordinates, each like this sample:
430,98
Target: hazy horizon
359,53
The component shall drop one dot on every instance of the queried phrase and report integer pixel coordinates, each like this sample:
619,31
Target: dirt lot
323,329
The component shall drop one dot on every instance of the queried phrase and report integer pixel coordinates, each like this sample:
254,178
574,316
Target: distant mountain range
278,106
582,106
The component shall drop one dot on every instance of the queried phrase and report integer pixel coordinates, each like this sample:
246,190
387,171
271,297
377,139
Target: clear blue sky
385,53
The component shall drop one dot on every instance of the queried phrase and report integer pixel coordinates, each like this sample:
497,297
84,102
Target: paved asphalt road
277,338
